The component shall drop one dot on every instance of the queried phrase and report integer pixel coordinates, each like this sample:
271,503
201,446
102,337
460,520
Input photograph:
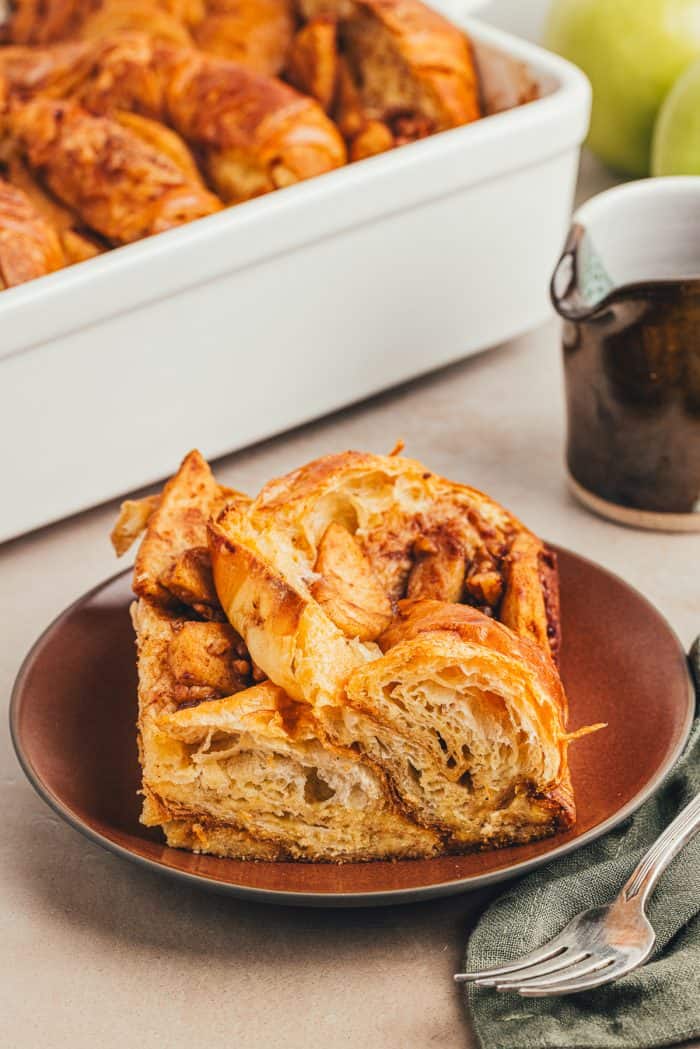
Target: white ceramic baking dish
251,321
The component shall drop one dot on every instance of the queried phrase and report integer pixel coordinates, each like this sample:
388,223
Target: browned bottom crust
203,835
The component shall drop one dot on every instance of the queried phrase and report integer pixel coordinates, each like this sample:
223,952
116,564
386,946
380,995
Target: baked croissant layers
252,133
29,246
359,663
254,33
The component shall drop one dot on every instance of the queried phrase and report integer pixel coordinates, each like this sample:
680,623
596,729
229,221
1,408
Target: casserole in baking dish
295,303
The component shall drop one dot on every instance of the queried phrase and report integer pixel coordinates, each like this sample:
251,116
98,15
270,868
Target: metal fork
603,943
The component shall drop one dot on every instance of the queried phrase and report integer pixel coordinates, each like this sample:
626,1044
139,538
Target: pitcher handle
581,286
564,286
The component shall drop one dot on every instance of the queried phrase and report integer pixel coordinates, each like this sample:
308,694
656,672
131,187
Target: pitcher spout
580,283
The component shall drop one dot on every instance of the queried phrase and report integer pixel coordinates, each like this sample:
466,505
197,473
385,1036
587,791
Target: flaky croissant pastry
173,567
403,71
465,716
231,766
467,721
397,530
328,679
254,33
40,22
253,133
29,246
77,242
120,185
253,762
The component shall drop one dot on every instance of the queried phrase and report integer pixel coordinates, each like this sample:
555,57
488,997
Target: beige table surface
97,952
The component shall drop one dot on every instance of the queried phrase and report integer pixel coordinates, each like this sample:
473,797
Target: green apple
632,51
676,144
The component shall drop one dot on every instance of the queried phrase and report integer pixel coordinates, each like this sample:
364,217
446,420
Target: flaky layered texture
230,766
173,567
465,715
255,761
253,133
239,97
329,679
173,669
401,70
116,181
467,720
309,570
254,33
408,59
286,630
186,655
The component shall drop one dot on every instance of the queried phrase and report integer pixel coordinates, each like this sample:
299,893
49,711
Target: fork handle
645,875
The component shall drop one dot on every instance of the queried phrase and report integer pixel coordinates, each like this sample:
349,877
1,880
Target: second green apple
632,51
676,147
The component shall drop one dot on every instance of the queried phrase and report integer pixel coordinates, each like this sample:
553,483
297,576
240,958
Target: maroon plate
74,707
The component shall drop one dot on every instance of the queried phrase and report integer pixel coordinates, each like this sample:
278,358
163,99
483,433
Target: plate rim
380,897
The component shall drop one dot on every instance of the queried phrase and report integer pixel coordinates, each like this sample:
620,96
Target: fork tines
551,969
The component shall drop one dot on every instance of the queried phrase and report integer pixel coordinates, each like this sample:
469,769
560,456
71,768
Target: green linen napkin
658,1004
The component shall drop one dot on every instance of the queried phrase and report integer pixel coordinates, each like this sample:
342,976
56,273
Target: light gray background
96,951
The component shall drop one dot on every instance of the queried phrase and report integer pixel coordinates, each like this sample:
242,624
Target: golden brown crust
427,530
254,133
253,33
42,22
264,560
437,54
375,137
118,184
172,564
77,243
161,138
435,538
287,633
229,764
312,63
29,246
57,71
259,134
256,34
373,75
134,515
530,600
411,69
446,735
434,650
415,617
